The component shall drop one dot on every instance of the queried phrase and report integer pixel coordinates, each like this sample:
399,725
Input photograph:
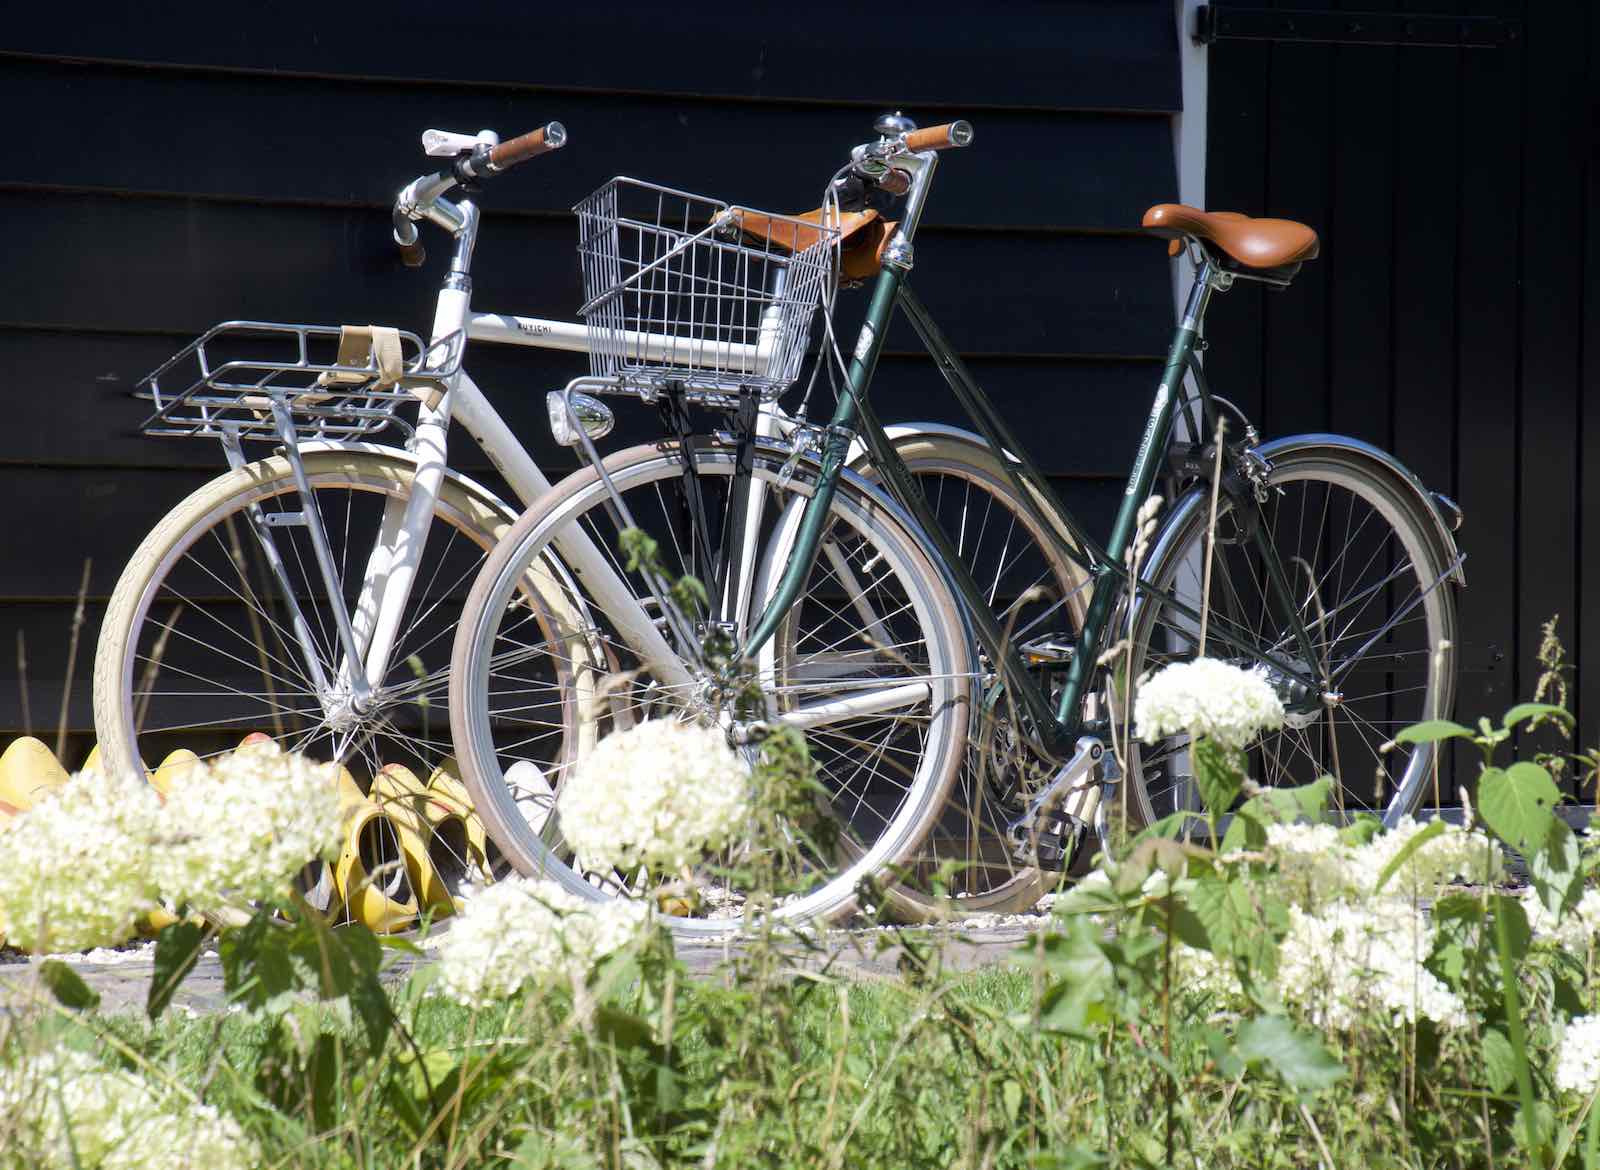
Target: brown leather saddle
862,236
1274,248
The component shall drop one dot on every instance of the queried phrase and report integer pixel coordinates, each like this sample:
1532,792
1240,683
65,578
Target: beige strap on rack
364,347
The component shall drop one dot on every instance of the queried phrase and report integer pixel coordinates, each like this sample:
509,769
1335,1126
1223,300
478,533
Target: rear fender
1439,518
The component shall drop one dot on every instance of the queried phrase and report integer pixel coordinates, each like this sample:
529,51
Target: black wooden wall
1452,317
180,164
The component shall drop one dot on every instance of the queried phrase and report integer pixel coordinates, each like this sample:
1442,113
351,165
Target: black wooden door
1452,315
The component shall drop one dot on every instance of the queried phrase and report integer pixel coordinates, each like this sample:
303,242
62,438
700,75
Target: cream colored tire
1006,551
881,820
236,627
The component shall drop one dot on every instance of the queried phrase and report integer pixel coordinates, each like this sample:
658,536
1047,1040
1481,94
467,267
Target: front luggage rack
227,383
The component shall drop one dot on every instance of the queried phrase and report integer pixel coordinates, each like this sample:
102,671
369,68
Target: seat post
1207,277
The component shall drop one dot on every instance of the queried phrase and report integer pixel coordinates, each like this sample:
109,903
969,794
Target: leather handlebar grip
530,145
413,255
957,133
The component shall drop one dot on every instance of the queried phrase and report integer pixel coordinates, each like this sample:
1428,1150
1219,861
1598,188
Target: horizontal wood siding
212,169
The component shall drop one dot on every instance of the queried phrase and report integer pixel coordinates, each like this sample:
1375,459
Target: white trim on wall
1189,133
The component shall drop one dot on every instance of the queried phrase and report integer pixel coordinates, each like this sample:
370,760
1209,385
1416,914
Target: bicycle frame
369,632
1059,725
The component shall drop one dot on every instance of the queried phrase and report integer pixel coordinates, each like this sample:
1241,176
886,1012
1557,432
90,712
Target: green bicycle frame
1058,726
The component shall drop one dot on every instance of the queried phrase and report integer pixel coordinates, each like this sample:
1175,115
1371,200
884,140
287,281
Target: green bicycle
960,713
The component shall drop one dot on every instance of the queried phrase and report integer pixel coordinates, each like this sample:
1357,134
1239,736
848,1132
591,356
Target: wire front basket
690,291
229,381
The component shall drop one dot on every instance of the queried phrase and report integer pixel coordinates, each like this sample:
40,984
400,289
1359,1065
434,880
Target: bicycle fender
1386,465
1383,465
407,458
881,497
856,458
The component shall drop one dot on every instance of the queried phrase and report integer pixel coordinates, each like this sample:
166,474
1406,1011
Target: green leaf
1224,910
1158,853
1459,941
67,986
1072,1158
1543,1126
1228,1062
256,966
1508,911
624,1030
1245,831
1556,868
1216,774
1525,711
1187,927
1518,803
1170,825
178,947
1011,1097
1074,1000
1363,827
1299,1058
1499,1061
1285,806
1407,851
1432,731
540,1150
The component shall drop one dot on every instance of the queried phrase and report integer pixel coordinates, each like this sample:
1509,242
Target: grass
983,1069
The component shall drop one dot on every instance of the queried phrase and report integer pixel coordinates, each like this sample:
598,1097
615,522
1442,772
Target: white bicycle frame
373,627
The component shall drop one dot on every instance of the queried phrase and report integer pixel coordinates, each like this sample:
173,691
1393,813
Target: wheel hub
1302,706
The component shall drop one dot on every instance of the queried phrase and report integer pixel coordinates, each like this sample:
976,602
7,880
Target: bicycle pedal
1049,849
1049,650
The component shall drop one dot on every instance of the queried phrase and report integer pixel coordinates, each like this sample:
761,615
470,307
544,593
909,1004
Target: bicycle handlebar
423,197
552,136
957,133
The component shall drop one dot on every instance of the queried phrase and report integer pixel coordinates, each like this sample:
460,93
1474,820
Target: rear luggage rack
334,382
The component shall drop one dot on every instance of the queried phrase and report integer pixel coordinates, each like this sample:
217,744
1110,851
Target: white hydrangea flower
1313,863
660,794
85,862
240,827
1319,866
519,932
63,1109
1202,971
78,865
1343,963
1456,854
1575,930
1206,697
1578,1056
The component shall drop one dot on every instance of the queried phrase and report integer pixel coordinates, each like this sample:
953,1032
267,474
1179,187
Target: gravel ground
121,976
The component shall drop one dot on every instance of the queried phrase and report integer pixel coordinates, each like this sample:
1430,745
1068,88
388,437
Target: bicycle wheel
874,620
965,864
199,649
1369,587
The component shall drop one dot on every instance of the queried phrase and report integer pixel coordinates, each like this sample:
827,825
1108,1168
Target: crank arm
1033,841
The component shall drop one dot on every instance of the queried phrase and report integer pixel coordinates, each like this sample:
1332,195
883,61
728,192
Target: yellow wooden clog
28,770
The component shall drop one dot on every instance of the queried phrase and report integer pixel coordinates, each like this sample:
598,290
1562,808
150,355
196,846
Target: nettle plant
1295,948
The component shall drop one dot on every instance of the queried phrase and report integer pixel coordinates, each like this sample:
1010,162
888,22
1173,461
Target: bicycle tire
929,643
1332,514
965,865
158,626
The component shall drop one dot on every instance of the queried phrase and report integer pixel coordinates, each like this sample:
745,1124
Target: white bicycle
312,595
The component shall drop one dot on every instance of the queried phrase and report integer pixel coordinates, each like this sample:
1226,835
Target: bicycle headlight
592,415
